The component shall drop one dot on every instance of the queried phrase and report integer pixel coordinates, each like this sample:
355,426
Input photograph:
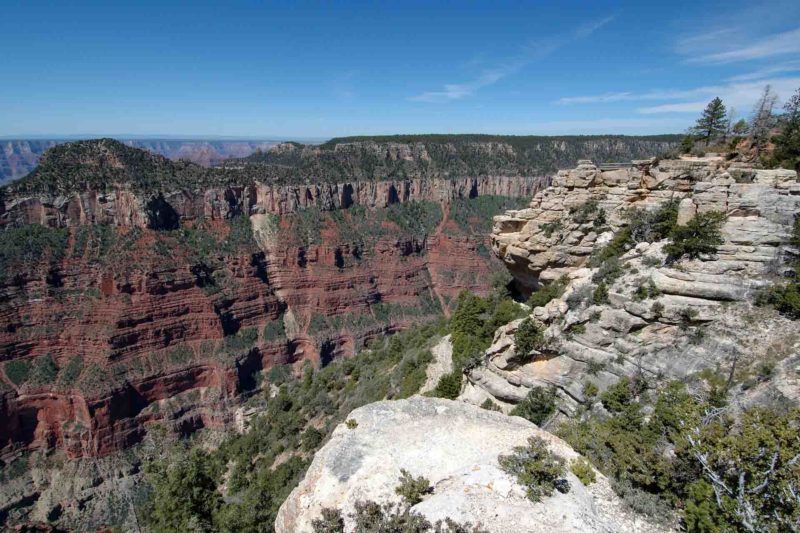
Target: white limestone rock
455,446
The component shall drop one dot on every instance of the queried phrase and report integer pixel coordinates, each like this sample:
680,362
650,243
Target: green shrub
595,367
370,517
646,291
242,340
280,374
642,226
331,521
590,390
537,406
619,395
311,439
547,293
274,330
185,494
548,228
413,373
180,355
528,337
43,370
449,386
351,423
536,468
71,371
608,272
600,295
412,489
583,471
785,298
615,248
701,235
489,405
24,246
575,329
18,371
653,225
589,211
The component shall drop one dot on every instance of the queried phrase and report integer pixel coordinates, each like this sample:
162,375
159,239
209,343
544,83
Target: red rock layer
159,344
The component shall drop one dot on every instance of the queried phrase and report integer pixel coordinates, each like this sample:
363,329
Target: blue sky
302,69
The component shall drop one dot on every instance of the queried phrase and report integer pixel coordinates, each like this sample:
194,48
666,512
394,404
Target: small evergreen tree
713,122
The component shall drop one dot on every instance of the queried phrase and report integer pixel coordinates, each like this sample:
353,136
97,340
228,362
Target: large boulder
455,446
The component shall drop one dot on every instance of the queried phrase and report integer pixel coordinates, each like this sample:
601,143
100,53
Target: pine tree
713,121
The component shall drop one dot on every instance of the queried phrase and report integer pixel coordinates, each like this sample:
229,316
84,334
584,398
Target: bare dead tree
763,120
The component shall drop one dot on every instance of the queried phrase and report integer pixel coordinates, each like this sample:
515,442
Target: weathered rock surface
455,446
667,321
544,241
441,365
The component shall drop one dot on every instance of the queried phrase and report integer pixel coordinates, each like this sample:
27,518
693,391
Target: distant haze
19,157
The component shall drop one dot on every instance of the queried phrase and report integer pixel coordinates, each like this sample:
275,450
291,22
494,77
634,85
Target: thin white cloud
783,68
686,107
740,95
628,126
596,99
530,53
787,42
690,44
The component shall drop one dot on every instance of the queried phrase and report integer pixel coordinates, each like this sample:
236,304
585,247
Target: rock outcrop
455,446
667,320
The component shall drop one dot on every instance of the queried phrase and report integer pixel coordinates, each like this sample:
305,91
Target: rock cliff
669,319
456,447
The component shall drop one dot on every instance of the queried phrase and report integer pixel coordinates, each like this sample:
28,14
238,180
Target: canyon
116,301
140,293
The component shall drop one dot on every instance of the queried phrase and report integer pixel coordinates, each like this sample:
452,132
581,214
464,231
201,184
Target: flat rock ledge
455,446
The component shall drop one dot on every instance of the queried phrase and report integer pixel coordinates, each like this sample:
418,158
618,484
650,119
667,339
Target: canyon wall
136,290
172,309
165,210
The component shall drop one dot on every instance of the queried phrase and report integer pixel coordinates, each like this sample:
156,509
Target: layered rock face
165,210
666,320
456,447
